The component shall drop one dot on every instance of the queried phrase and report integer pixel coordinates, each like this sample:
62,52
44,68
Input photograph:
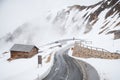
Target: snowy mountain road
68,68
64,68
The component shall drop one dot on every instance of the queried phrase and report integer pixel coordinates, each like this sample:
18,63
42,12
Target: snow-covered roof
22,47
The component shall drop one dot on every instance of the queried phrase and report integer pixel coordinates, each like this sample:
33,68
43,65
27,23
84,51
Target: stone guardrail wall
81,50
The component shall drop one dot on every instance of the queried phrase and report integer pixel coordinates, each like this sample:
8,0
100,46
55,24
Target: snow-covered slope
92,22
24,21
42,24
14,13
99,18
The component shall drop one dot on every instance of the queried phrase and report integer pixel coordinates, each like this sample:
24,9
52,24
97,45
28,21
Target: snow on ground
107,69
26,69
101,41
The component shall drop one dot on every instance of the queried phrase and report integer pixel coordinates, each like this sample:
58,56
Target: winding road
68,68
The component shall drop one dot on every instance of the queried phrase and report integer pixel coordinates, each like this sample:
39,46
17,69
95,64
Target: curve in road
68,68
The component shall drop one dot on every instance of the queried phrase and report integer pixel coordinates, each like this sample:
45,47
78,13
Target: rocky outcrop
116,34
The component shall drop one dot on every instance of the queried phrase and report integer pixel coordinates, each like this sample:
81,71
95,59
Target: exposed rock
116,34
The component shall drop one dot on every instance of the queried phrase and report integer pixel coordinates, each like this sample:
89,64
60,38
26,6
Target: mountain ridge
110,10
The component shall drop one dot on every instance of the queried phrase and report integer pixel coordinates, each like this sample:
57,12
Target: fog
14,13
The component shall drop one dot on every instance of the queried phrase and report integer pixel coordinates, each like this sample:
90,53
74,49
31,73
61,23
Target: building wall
18,54
33,52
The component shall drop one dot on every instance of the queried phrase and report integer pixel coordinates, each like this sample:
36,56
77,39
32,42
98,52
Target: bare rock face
116,34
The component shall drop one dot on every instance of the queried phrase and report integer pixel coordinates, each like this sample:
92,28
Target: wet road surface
68,68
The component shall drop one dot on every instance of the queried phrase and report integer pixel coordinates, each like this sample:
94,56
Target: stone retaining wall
84,51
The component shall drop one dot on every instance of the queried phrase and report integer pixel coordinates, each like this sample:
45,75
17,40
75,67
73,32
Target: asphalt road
68,68
64,68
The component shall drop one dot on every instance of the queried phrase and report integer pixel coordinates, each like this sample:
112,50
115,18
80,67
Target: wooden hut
23,51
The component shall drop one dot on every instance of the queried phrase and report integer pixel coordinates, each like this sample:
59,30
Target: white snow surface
26,69
22,69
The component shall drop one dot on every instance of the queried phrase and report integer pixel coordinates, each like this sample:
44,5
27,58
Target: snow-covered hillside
14,13
98,18
92,22
66,19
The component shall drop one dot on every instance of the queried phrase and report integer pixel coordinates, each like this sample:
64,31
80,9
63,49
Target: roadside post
39,60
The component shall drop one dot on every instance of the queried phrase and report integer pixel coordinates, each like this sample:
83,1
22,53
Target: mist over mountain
95,22
103,16
17,12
